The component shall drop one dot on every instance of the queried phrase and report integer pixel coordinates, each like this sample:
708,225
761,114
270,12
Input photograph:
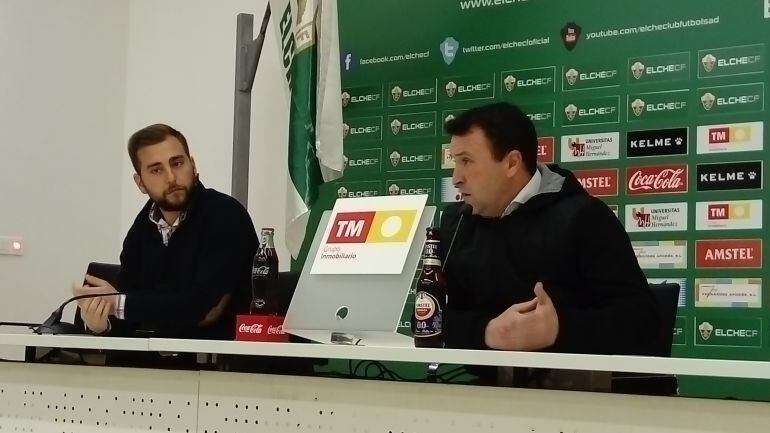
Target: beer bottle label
431,250
427,314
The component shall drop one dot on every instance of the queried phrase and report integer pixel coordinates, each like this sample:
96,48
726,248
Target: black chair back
667,295
106,271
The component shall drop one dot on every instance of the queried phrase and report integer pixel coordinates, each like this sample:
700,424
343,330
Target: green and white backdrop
658,106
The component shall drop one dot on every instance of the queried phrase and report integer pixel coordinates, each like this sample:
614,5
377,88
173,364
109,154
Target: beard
175,198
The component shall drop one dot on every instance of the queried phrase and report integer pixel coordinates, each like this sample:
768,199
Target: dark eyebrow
151,166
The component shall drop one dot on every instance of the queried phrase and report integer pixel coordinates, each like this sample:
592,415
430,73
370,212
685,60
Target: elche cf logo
345,160
449,118
708,61
571,111
708,100
342,192
396,93
638,107
395,126
451,89
345,130
395,158
637,70
510,83
345,99
705,330
572,76
393,189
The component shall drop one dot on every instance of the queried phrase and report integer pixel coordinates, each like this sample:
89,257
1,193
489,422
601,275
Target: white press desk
59,398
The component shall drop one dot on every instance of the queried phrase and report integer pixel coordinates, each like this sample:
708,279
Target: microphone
53,325
465,209
20,324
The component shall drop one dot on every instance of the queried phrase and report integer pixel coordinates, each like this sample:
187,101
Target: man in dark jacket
186,260
539,264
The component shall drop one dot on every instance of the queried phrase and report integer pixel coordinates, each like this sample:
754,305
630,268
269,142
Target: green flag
309,48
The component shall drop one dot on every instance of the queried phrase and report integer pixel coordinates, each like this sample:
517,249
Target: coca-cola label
254,328
260,328
427,314
660,179
260,271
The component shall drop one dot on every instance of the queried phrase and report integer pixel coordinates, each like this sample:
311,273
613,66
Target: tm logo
449,49
348,60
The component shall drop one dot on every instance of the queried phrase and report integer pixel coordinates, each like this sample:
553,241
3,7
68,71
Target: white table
34,396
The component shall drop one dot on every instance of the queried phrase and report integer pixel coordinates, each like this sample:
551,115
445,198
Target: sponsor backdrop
657,106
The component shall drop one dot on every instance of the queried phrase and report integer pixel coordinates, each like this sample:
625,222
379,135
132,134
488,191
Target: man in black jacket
186,260
539,264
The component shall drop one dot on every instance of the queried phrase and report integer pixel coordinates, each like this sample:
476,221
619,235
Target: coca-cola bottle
430,296
264,277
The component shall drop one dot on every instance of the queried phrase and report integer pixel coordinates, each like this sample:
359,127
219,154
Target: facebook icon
348,59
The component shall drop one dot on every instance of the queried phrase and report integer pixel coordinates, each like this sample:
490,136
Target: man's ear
514,162
139,183
195,168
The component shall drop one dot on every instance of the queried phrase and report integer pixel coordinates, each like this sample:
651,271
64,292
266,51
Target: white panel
39,398
232,402
67,399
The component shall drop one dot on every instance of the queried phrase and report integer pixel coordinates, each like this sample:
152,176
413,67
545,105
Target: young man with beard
186,260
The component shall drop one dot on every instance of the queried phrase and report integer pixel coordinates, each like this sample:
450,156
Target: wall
78,78
181,69
62,98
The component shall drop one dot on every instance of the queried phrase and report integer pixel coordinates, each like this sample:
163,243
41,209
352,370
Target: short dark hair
150,135
506,127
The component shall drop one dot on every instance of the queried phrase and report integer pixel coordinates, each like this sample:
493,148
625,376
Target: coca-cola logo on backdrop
659,179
